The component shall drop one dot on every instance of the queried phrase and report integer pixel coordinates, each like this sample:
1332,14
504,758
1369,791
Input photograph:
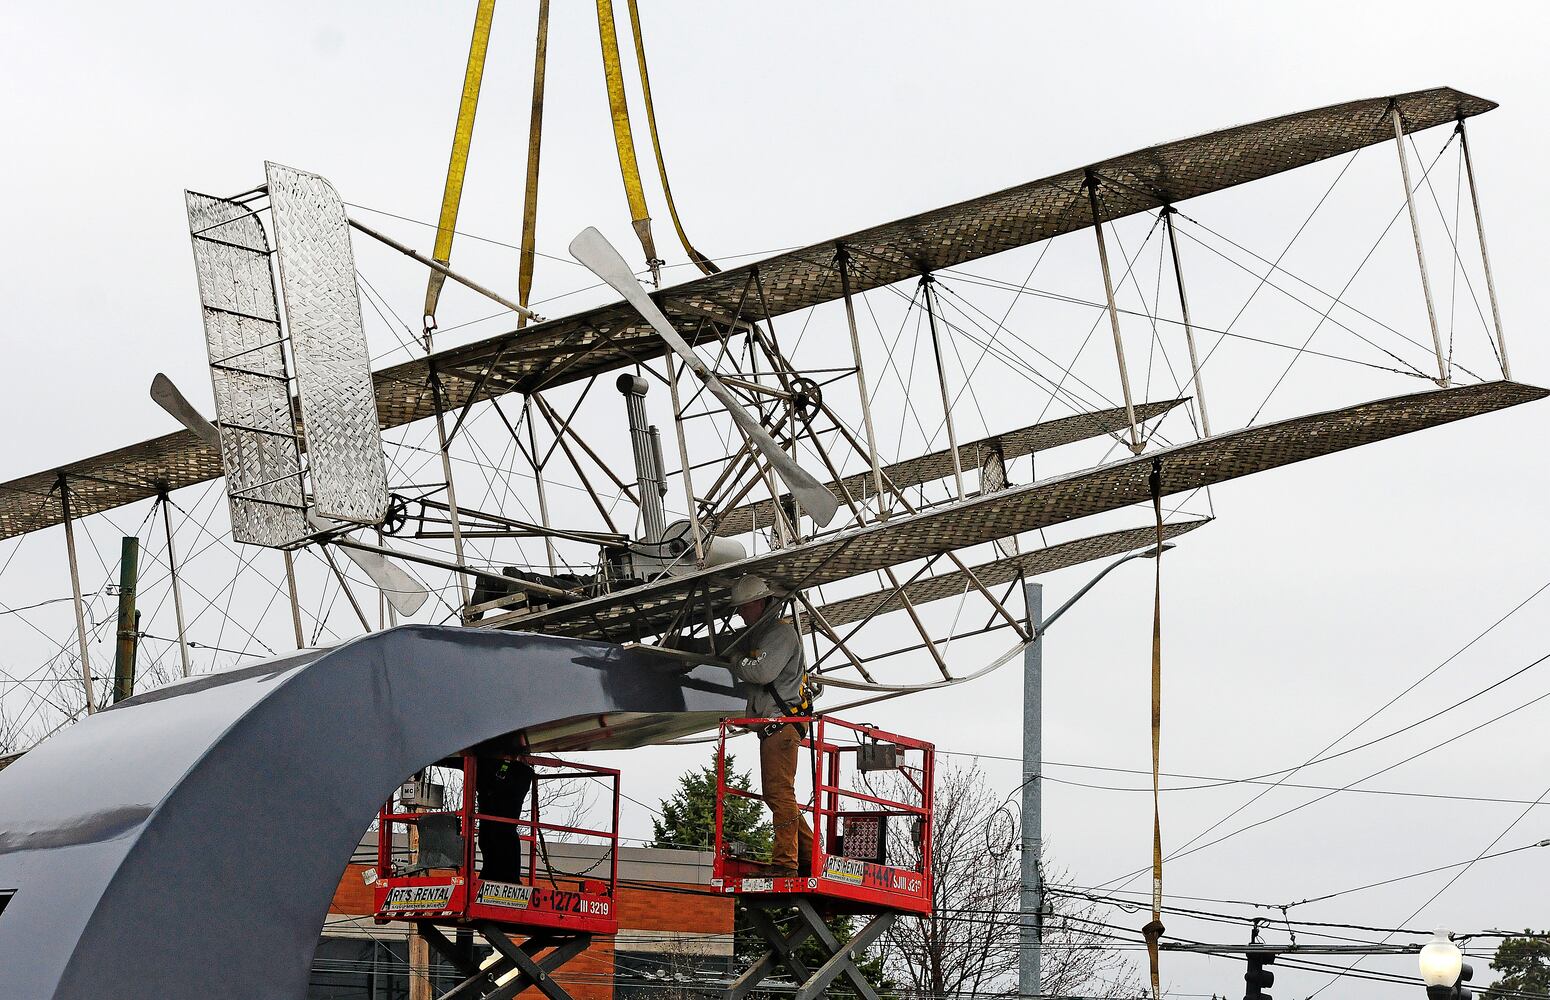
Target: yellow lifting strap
462,138
534,141
701,261
1154,930
619,108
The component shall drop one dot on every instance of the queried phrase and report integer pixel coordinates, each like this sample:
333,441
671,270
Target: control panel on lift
485,856
870,810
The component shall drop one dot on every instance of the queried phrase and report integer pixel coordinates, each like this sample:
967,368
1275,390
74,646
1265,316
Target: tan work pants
777,779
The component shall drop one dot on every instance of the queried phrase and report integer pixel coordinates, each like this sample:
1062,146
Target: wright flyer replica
490,556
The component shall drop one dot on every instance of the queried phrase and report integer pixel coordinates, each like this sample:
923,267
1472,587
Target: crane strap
535,133
624,139
701,261
457,166
1153,930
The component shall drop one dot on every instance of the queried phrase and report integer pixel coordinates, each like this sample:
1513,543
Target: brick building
671,926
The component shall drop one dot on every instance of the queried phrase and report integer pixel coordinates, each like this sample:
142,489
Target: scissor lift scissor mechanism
871,851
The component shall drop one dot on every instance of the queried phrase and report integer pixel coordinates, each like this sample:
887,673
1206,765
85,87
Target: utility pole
1032,898
128,620
419,947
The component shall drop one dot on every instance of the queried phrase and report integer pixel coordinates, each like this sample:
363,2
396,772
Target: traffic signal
1461,992
1258,977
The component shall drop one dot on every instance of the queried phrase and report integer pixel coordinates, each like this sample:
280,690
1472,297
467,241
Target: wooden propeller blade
167,396
594,251
397,586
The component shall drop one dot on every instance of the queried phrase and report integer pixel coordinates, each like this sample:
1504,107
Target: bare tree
10,735
968,946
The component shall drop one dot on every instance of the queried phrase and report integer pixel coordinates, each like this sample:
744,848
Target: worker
767,662
502,786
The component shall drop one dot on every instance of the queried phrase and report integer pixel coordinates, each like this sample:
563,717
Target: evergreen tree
1524,963
688,818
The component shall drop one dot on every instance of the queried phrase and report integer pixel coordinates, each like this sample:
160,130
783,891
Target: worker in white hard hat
767,661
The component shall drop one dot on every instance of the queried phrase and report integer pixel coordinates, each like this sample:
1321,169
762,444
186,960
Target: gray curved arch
186,843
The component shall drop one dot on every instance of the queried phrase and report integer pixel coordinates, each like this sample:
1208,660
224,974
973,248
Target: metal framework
604,339
904,527
260,448
333,367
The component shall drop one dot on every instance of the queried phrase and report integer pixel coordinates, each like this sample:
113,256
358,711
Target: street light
1443,969
1151,553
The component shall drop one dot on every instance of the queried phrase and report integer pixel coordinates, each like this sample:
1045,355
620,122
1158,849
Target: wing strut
1136,444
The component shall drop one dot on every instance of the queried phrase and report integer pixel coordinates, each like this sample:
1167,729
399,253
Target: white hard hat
749,588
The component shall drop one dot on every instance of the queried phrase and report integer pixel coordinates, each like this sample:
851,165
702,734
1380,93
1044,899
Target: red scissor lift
859,864
536,921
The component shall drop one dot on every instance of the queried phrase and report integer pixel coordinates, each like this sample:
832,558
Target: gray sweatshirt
775,650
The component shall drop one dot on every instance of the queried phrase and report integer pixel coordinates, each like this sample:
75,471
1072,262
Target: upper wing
602,339
650,609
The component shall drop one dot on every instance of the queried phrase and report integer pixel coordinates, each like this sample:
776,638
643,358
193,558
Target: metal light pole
1031,901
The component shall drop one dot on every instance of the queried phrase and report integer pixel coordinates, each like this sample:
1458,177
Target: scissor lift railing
855,865
553,913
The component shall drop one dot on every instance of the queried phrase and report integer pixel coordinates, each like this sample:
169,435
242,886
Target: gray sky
1322,591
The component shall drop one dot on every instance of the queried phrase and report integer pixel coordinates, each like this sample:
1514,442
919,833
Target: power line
1320,756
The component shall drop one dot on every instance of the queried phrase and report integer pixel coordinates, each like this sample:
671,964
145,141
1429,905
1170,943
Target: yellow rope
701,261
619,109
462,138
534,141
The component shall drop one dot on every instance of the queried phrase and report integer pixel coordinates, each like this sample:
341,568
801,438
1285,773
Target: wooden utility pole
419,948
128,621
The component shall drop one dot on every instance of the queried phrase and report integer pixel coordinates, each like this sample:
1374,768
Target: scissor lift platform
536,920
857,865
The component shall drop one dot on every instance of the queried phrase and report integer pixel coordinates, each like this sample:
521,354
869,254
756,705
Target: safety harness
803,707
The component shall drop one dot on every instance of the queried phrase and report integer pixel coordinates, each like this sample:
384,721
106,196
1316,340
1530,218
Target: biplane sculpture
303,465
801,495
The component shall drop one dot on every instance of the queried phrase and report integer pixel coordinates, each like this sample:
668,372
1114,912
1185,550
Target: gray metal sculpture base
811,983
185,844
534,968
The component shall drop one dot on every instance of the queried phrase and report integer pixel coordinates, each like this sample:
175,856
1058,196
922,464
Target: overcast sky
1322,590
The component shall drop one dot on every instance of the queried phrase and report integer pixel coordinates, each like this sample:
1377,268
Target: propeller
595,253
401,589
174,402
